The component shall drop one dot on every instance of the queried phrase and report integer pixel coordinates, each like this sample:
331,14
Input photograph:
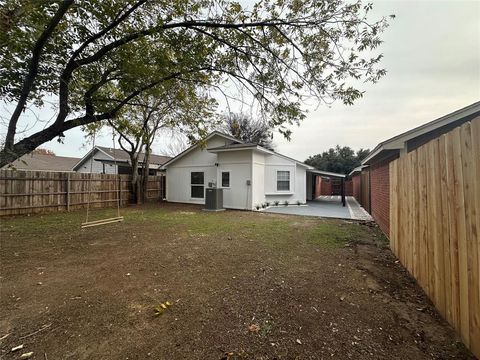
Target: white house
249,174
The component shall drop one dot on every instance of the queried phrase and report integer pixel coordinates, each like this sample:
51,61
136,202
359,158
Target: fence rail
435,224
27,192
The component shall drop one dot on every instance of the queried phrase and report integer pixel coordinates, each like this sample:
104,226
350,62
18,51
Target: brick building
371,181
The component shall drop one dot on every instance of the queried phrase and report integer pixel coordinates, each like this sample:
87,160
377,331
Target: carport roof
326,173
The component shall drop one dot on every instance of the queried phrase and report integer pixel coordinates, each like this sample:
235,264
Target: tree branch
33,70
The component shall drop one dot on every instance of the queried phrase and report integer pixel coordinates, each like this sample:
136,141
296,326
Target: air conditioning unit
214,199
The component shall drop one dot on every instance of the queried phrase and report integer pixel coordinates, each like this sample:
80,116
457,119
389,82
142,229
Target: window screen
197,185
197,178
225,179
283,180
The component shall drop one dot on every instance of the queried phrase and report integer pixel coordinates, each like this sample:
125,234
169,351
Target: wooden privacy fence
27,192
435,224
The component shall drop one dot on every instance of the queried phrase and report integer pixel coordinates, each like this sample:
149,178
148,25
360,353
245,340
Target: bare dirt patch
242,286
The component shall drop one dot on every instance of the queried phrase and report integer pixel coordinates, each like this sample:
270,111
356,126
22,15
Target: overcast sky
432,55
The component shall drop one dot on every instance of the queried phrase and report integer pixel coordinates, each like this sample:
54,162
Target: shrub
276,202
267,204
299,202
257,207
264,206
285,203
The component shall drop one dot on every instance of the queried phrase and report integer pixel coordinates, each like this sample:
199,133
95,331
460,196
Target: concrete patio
325,206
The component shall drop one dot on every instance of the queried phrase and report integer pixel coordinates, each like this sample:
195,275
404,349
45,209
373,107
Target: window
197,185
225,179
283,180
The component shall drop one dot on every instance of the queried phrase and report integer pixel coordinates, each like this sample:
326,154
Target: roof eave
327,173
398,142
186,151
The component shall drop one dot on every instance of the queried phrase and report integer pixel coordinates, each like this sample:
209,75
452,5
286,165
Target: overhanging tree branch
33,70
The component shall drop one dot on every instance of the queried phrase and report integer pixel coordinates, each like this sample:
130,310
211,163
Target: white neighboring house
115,161
249,174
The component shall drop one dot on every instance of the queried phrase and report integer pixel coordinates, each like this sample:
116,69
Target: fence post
119,190
68,191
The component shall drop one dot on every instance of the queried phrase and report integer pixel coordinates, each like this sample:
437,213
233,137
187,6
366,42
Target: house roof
357,169
121,156
212,134
253,146
43,162
397,143
234,146
326,173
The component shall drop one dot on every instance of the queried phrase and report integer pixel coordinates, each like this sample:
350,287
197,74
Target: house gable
191,155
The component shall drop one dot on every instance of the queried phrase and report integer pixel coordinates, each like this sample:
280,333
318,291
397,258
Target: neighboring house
103,160
249,174
43,162
374,174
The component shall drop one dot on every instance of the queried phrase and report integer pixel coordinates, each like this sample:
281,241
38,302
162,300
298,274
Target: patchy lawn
242,285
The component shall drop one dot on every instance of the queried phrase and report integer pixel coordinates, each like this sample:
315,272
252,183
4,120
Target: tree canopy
339,159
95,57
248,129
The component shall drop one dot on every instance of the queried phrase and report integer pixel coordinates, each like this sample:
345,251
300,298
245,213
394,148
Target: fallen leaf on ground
254,328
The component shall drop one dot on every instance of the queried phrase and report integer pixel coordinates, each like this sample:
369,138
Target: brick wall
356,187
348,188
380,195
326,187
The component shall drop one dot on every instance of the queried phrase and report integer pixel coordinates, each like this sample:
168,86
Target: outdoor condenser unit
214,199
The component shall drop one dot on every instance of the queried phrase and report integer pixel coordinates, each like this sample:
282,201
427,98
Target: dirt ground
242,285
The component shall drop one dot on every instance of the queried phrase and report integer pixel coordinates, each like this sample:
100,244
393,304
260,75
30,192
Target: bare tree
178,107
248,129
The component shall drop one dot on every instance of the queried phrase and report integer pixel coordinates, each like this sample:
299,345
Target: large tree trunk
146,170
135,178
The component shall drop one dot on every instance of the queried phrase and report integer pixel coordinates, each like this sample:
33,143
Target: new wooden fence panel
28,192
475,251
435,224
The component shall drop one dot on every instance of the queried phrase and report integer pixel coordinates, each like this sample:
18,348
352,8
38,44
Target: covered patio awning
316,172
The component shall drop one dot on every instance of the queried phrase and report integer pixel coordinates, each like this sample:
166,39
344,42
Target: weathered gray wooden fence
27,192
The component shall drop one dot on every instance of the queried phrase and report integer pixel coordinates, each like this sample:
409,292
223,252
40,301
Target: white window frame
202,185
229,179
289,180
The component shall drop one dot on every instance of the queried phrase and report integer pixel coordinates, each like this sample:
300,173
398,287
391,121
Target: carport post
343,191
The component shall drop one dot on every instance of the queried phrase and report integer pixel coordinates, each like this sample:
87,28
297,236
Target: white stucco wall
239,164
244,165
258,179
97,166
178,174
298,180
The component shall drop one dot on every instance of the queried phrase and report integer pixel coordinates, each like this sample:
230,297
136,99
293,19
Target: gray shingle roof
119,154
41,162
235,146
